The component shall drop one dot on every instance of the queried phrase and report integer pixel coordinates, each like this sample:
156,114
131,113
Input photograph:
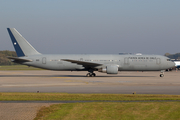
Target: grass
82,97
111,111
17,67
102,110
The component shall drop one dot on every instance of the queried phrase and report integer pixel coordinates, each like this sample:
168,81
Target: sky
93,26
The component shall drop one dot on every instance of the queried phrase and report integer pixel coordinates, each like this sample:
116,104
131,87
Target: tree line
173,56
3,57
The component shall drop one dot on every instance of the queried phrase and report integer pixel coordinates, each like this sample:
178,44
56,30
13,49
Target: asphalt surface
20,111
76,82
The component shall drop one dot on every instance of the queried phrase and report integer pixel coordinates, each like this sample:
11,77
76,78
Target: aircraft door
43,60
158,61
126,61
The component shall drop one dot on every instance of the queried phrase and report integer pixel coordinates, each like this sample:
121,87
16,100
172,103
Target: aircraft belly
134,67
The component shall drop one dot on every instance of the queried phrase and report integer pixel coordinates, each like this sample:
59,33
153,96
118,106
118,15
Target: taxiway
76,82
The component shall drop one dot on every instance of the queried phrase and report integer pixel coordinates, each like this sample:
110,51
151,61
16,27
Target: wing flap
82,63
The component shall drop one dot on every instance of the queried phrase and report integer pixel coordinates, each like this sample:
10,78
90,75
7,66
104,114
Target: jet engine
109,69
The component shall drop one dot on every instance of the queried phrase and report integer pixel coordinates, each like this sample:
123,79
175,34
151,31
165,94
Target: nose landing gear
162,73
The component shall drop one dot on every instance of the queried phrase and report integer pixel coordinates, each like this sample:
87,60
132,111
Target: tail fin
21,45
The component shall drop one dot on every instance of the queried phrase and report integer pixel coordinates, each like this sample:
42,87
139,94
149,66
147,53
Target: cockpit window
168,59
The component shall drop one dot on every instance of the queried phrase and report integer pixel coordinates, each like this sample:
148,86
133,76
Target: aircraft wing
17,59
85,64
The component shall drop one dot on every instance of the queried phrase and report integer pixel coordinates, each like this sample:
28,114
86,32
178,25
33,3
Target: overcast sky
93,26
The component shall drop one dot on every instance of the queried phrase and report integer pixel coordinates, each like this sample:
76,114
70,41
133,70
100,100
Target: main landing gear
162,73
90,74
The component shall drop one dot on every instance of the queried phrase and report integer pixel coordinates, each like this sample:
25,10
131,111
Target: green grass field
111,111
83,97
17,67
151,110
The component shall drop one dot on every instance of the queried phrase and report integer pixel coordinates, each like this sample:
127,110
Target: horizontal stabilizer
17,59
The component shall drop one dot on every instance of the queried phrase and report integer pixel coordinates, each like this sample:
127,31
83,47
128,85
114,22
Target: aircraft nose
172,64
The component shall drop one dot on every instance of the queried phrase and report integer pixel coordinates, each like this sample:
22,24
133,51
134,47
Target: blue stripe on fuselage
18,49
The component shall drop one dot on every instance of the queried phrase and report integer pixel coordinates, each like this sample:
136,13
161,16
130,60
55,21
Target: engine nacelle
110,69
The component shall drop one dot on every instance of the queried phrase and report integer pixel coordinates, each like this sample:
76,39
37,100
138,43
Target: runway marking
124,81
61,77
10,73
73,81
35,85
80,81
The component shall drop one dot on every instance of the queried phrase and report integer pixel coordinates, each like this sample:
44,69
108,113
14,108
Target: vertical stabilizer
21,45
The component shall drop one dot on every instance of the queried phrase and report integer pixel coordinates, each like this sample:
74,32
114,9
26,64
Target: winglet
21,45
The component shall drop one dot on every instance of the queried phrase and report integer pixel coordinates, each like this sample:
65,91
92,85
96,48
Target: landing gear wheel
161,75
90,75
93,74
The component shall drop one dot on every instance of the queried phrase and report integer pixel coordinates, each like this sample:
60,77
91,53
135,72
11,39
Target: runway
76,82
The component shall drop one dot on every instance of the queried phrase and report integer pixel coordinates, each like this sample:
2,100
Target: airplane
177,64
106,63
